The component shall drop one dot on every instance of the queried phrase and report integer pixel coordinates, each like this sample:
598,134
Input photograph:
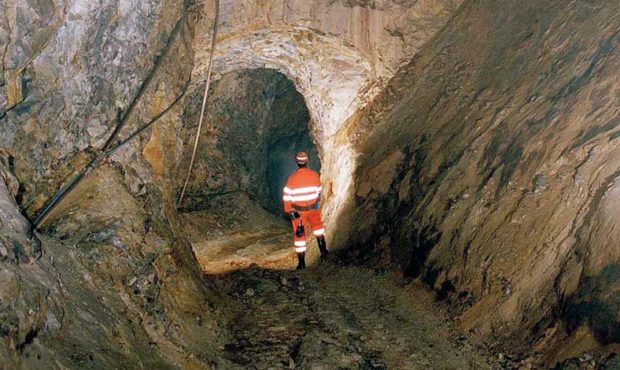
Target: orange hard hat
301,158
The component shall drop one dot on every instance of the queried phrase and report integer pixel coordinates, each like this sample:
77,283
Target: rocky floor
332,315
234,233
338,317
329,316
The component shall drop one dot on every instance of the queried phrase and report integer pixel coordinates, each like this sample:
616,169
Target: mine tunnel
257,123
468,195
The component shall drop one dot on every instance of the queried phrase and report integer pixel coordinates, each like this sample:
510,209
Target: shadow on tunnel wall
473,161
597,304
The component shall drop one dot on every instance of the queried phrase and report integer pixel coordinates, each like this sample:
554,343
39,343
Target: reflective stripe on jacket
303,189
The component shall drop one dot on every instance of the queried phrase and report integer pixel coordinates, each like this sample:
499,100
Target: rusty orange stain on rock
154,153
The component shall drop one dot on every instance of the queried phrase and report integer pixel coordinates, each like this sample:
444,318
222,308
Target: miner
301,206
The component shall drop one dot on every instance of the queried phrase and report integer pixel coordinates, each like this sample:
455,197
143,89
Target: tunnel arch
255,123
334,78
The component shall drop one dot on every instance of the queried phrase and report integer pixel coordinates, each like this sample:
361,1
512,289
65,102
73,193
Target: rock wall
112,279
491,171
488,165
71,69
112,264
109,292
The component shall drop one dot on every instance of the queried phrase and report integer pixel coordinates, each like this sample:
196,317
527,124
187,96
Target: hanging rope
204,102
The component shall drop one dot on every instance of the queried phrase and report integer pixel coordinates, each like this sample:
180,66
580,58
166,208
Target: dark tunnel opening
256,122
280,164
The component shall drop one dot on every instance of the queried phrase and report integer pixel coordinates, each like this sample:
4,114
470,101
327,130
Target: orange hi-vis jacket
302,189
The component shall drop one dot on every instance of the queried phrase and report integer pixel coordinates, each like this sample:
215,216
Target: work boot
301,258
322,246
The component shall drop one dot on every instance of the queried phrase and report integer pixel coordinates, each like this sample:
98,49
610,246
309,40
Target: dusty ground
327,317
336,317
235,233
332,315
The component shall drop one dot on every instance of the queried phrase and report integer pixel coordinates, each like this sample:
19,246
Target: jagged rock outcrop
17,243
385,32
113,280
99,299
492,169
78,66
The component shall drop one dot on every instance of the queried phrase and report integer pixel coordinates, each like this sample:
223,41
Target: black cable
151,122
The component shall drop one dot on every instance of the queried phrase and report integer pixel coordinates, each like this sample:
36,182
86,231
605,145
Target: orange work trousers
310,219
